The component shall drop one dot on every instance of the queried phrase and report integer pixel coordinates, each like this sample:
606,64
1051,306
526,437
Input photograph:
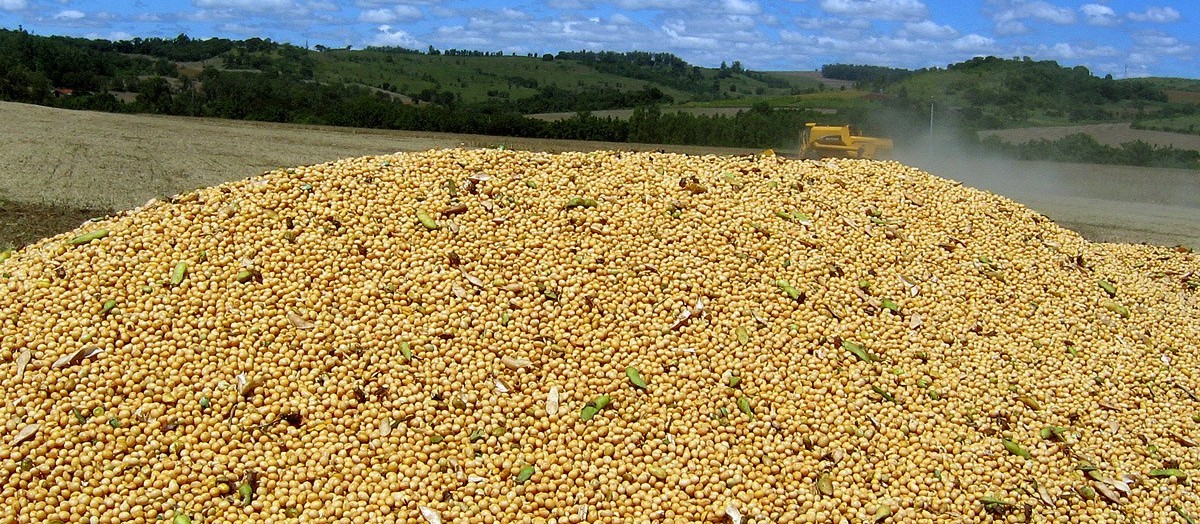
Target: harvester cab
818,141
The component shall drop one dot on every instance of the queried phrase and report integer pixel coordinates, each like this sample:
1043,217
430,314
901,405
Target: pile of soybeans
500,336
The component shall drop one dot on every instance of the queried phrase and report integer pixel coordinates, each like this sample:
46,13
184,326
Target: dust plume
1104,203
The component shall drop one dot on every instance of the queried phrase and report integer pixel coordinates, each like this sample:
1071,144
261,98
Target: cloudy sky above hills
1118,37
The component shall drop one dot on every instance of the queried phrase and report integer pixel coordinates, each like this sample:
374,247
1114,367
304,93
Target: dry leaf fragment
475,479
298,322
915,321
76,356
430,515
758,318
552,401
874,302
682,319
247,385
385,428
26,433
473,280
1042,494
1107,491
735,516
458,291
1121,485
65,359
455,209
22,361
501,387
515,364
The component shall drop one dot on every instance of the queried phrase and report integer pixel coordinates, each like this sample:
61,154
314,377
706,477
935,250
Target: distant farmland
1107,134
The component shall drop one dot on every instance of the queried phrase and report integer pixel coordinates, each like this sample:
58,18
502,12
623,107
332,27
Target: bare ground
59,167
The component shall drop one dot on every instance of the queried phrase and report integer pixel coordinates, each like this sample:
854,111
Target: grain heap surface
499,336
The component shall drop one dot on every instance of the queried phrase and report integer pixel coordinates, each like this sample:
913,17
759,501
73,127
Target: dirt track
85,160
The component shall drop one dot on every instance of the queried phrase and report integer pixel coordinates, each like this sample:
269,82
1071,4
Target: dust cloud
1104,203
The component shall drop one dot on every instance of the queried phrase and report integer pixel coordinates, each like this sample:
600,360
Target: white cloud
246,5
1010,17
928,29
1154,42
877,9
656,4
1160,15
740,7
242,30
678,36
974,44
570,4
1050,13
513,14
113,36
377,16
385,36
1075,52
846,28
13,5
1097,14
1011,27
400,13
621,19
322,6
69,15
520,32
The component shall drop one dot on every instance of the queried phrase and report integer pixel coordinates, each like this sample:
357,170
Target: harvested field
505,336
1107,134
1183,97
113,161
624,114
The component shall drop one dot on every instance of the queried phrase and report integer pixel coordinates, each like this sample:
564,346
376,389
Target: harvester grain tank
818,141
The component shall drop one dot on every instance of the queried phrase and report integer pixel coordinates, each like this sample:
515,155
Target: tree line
274,82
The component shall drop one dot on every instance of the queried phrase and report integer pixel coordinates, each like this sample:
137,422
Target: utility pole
931,117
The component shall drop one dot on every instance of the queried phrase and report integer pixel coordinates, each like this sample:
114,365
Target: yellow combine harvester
817,141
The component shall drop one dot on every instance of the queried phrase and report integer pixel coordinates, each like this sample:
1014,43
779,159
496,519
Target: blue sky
1118,37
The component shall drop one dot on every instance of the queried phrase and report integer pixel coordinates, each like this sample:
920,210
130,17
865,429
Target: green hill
991,92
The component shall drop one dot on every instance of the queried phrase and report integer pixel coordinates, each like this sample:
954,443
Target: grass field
61,167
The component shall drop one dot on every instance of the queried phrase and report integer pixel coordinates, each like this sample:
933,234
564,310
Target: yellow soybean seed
832,340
